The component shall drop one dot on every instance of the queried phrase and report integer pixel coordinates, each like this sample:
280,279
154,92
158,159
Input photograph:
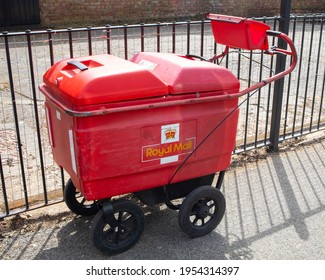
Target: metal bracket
220,179
108,212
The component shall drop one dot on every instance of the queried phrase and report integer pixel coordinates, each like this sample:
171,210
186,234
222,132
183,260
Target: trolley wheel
119,230
77,203
201,211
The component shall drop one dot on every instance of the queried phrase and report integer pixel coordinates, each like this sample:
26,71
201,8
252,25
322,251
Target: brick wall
64,13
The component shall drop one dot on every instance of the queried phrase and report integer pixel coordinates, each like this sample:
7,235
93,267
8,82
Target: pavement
275,211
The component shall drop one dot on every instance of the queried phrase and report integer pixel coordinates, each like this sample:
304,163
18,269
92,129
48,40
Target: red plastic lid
185,75
102,79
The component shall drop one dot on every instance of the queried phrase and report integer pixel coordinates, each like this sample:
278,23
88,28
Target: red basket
237,32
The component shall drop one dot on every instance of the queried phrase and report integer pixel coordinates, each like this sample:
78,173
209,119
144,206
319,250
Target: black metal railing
29,178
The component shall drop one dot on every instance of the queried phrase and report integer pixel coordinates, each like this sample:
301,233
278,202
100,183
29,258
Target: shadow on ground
162,239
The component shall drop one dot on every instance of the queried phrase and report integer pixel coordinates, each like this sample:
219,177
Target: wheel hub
203,211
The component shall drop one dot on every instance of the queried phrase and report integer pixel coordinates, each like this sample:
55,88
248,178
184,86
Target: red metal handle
217,56
46,91
292,53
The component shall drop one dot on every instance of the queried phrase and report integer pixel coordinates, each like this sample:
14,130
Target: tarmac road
275,210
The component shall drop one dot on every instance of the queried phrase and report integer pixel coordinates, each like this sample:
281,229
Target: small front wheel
118,231
201,211
77,203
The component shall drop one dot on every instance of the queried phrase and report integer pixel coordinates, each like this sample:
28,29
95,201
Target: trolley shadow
258,207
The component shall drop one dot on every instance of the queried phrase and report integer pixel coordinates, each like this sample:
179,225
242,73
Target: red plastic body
114,138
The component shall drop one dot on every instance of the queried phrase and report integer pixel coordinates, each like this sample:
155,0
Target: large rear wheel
201,211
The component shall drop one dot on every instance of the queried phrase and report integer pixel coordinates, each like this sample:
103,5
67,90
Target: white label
49,128
58,115
168,159
147,64
73,158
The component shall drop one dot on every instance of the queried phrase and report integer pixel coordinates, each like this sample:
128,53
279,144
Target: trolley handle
275,51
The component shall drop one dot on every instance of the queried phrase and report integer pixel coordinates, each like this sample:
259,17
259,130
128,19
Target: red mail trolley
159,126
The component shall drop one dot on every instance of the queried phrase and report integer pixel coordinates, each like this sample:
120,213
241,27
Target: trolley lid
186,75
101,79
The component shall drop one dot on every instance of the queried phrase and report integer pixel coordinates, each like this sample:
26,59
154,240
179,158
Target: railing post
15,112
125,30
279,85
4,191
108,38
90,48
37,119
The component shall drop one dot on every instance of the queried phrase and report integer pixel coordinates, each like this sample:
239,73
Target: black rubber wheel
77,203
120,230
201,211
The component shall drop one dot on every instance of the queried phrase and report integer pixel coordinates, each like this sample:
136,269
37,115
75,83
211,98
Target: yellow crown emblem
170,133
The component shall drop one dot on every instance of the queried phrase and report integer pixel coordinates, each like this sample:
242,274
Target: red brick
61,13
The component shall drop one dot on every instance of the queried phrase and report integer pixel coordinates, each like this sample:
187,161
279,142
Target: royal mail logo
171,146
166,150
170,134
